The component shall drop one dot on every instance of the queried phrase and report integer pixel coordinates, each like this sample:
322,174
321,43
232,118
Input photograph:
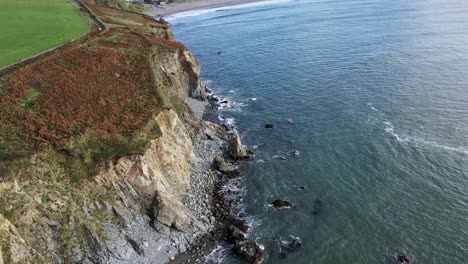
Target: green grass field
28,27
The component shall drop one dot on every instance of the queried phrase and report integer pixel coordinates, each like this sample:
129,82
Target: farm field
28,27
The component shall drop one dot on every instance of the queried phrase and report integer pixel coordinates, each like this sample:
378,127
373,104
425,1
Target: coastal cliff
102,160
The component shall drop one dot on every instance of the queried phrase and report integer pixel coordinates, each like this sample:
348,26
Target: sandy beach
197,4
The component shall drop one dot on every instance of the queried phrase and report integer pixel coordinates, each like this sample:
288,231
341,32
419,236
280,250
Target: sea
369,99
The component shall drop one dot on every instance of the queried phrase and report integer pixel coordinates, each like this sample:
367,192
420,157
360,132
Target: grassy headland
30,26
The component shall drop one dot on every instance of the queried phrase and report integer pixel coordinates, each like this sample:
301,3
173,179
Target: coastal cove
369,106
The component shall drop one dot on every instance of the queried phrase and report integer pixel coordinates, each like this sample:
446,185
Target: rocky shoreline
217,185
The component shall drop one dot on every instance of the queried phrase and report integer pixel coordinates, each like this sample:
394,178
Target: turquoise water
378,91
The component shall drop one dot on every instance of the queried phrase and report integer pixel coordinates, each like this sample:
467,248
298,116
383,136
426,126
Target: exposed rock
123,216
235,234
169,211
162,20
269,125
238,151
249,250
224,166
242,224
282,204
18,250
295,153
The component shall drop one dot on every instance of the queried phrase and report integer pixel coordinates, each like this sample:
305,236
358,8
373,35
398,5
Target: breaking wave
192,13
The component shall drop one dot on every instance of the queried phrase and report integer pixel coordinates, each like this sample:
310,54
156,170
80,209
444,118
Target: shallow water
378,91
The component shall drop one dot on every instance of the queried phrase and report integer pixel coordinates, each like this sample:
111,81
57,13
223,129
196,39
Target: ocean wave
417,141
371,106
199,12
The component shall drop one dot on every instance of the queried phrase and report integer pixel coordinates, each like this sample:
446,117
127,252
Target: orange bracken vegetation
104,86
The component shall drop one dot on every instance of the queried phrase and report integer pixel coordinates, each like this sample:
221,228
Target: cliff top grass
31,26
90,100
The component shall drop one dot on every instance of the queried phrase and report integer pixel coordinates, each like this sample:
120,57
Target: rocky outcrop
18,249
181,68
238,151
224,167
171,212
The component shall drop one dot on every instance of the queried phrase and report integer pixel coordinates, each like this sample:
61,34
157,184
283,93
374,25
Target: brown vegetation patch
103,86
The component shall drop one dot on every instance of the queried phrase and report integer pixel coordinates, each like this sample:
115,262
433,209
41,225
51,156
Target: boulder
169,211
224,166
282,204
249,250
238,151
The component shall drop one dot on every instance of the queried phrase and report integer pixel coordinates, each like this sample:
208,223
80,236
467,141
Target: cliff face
120,170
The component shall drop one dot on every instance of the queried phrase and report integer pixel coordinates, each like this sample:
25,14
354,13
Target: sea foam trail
192,13
388,127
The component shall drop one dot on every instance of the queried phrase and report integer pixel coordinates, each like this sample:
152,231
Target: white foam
418,141
198,12
217,255
390,129
231,121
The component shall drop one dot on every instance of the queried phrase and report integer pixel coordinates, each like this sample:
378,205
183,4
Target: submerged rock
269,125
279,157
282,204
238,151
318,206
289,246
404,259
